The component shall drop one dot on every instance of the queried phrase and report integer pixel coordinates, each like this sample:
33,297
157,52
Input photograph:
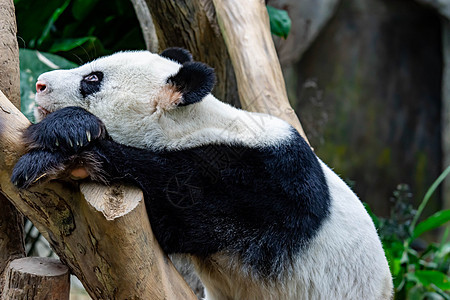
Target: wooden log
37,278
101,233
11,221
245,28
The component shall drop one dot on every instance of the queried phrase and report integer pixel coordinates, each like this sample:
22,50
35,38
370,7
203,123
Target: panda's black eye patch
91,83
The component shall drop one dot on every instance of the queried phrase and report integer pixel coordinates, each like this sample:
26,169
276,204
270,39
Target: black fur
179,55
263,204
66,130
90,87
36,166
194,80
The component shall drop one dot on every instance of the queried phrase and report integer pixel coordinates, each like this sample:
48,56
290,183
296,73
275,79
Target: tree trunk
37,278
101,233
9,53
11,221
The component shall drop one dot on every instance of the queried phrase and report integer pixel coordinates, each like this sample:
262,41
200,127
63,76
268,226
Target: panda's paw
67,130
37,166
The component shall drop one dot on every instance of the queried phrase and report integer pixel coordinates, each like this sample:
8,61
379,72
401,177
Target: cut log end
37,278
113,201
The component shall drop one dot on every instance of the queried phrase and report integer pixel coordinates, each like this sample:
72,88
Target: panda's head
127,86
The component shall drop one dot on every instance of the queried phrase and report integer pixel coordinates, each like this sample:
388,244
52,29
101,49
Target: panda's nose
41,86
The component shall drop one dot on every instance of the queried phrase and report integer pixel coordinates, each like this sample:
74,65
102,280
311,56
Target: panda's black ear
179,55
194,81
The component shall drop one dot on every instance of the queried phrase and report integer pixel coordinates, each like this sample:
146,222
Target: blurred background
369,80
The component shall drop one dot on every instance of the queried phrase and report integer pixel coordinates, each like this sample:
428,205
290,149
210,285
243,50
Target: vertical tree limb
9,53
11,221
147,25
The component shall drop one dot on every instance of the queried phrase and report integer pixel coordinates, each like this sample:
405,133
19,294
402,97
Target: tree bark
147,25
9,53
37,278
101,233
11,221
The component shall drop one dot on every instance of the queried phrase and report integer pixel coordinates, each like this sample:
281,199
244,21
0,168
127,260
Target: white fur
344,261
126,104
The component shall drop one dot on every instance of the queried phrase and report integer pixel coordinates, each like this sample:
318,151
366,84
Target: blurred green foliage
79,30
420,270
82,30
280,23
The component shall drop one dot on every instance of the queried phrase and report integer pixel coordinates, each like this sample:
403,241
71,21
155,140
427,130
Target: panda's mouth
43,111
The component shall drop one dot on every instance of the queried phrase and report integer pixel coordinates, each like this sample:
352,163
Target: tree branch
102,233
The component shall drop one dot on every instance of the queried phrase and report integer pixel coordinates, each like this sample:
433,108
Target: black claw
67,130
36,166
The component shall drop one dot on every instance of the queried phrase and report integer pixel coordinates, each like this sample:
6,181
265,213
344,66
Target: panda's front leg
57,145
67,130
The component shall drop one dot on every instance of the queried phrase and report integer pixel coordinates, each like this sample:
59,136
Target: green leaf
81,8
427,196
427,278
32,64
416,292
31,17
432,296
436,220
280,23
52,21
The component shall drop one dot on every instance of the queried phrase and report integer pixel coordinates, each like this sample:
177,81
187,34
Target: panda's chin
40,113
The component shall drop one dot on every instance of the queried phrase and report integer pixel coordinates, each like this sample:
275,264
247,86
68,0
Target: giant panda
240,194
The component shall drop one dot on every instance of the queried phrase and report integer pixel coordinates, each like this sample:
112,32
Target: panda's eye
91,78
91,84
